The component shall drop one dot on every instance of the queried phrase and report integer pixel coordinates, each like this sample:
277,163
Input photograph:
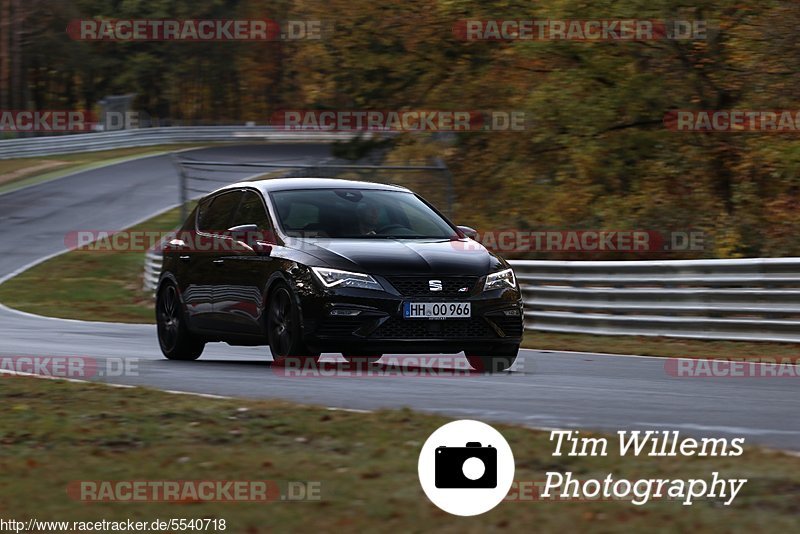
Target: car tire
493,361
362,359
284,328
174,338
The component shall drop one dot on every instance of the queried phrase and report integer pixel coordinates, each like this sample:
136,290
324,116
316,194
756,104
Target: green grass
20,172
55,432
659,346
89,285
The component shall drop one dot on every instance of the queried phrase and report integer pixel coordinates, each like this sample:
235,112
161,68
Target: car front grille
397,328
419,286
339,326
420,329
511,325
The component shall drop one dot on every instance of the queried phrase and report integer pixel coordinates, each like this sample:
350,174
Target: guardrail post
450,190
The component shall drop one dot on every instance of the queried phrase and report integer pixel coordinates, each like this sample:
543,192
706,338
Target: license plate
437,310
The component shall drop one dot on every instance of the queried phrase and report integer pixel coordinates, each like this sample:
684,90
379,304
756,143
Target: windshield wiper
410,237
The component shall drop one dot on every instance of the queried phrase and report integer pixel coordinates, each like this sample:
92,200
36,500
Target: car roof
289,184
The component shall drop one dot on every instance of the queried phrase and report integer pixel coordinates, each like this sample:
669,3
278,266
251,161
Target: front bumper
378,325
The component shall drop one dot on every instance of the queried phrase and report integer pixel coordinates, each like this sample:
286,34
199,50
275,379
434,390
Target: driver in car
368,214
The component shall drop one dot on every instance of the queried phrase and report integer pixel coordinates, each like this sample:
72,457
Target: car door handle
184,258
218,262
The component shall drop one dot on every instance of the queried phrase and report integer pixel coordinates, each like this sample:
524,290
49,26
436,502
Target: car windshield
358,214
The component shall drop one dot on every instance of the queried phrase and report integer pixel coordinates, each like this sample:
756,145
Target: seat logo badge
435,285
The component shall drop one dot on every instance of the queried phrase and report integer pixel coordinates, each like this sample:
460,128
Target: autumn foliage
595,154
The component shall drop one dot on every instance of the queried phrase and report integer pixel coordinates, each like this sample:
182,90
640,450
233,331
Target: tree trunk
17,83
5,22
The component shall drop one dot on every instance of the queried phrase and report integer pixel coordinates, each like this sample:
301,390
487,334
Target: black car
310,265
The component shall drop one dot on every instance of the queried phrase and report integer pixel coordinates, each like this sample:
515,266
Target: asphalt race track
545,389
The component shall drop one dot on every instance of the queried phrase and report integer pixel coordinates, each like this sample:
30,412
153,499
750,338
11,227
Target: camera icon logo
472,466
466,467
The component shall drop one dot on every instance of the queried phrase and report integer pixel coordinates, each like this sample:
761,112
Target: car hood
402,256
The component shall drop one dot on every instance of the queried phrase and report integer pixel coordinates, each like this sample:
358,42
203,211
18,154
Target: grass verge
20,172
56,432
658,346
89,285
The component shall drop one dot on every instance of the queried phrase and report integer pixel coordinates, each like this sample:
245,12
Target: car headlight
337,278
500,280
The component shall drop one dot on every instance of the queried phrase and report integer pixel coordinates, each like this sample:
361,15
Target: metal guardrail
152,270
739,300
91,142
743,299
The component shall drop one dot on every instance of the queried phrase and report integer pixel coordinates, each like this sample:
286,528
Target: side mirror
243,228
255,239
173,244
467,231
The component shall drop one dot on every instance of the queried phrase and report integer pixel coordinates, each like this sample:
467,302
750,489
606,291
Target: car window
252,211
301,215
417,216
216,217
357,213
